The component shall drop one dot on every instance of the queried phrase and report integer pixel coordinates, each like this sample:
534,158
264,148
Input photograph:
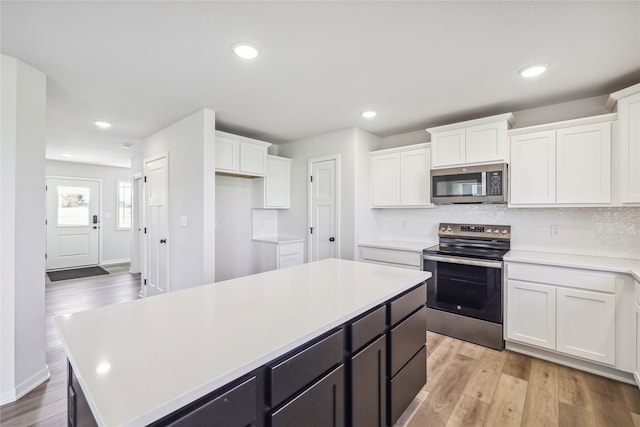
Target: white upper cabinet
583,155
400,177
274,191
533,168
562,164
473,142
240,155
627,162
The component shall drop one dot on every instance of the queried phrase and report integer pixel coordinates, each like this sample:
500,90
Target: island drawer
402,306
368,327
322,404
407,338
306,365
406,385
236,407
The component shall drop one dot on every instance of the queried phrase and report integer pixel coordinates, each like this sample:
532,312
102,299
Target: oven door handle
463,261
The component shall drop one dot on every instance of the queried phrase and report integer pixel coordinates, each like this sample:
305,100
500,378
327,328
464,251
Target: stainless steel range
464,294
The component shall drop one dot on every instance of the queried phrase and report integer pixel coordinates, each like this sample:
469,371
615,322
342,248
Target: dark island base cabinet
363,373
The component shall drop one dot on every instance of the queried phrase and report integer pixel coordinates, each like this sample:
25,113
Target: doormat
76,273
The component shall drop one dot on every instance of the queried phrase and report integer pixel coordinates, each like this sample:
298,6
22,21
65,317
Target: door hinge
145,282
45,256
311,230
46,188
145,179
46,222
311,178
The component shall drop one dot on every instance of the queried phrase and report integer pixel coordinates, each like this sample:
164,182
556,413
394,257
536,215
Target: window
124,205
73,206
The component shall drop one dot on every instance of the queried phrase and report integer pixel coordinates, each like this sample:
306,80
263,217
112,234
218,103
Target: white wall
234,198
190,143
22,230
294,221
115,245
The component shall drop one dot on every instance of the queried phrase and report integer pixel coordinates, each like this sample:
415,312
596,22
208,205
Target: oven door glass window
467,184
466,290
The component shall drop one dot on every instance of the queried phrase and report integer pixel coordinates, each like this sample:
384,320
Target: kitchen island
301,340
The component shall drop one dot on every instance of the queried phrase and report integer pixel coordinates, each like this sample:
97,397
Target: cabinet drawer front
404,305
562,276
392,256
368,327
299,370
289,248
289,260
322,404
237,407
407,384
407,338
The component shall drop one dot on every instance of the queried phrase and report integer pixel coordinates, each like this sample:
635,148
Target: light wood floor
468,385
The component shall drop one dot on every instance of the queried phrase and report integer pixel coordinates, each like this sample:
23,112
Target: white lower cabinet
531,314
566,310
274,255
392,257
586,324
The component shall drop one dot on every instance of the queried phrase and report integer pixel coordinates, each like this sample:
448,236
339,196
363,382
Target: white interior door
73,222
324,210
156,224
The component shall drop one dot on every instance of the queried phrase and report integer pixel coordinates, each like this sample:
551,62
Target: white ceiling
143,65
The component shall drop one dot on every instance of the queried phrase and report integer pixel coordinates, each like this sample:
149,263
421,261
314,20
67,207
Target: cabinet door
486,143
586,324
629,148
368,390
320,405
227,154
636,370
584,164
277,183
253,158
448,148
385,180
415,177
531,313
533,168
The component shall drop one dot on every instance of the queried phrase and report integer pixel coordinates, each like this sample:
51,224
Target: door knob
332,239
163,240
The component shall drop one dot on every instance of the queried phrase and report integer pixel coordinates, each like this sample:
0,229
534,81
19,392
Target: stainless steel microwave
469,184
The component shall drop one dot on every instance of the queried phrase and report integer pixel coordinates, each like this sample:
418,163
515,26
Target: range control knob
442,229
488,230
449,228
504,231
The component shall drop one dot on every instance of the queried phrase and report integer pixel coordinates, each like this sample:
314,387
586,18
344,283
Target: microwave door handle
484,183
463,261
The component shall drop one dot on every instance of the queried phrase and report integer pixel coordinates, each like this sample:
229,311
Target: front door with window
73,222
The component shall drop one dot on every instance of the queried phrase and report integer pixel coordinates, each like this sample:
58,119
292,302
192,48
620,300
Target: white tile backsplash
264,223
613,232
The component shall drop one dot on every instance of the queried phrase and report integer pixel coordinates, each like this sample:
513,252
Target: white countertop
279,239
141,360
401,245
616,265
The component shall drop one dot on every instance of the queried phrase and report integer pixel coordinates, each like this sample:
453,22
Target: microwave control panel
494,184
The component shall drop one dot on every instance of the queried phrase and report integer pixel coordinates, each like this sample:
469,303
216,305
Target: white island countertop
141,360
614,265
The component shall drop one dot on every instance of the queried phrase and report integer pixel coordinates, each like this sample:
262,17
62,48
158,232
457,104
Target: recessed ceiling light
369,114
533,70
126,146
66,155
102,124
246,50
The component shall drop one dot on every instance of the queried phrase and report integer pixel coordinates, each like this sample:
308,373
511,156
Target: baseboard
116,261
25,387
572,362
